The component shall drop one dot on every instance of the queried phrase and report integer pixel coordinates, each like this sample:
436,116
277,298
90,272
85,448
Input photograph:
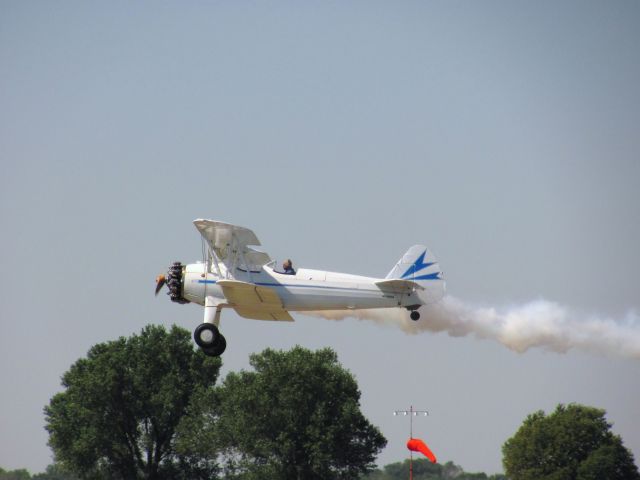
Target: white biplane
236,274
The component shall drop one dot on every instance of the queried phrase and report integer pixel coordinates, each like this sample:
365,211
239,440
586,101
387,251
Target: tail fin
420,265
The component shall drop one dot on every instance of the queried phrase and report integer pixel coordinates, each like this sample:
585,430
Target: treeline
53,472
425,470
422,470
149,407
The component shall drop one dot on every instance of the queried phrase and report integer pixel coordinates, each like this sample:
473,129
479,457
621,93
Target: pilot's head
287,264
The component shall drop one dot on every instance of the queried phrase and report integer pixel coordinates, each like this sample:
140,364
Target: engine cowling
175,283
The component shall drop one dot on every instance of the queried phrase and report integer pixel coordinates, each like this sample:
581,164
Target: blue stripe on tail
419,265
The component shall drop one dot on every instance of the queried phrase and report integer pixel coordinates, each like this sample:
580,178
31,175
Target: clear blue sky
504,135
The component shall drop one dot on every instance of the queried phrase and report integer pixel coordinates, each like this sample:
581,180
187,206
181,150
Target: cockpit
286,268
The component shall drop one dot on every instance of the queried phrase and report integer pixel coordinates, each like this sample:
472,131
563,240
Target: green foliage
122,405
423,469
20,474
54,472
574,442
297,416
608,462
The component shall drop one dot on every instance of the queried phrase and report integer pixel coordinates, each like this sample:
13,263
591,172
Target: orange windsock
417,445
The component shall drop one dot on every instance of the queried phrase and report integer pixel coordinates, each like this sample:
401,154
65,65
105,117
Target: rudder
418,264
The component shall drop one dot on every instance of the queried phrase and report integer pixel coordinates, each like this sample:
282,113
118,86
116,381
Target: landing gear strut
415,315
209,339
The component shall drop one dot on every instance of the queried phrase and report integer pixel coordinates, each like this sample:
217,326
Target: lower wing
254,301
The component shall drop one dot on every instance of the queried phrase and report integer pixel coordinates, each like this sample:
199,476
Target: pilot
287,268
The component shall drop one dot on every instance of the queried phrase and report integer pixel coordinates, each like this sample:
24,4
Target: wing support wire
232,251
247,266
210,259
229,246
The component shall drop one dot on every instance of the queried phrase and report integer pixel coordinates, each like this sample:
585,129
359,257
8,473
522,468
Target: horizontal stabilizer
399,286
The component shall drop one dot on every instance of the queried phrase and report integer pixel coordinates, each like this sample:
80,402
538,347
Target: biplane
236,273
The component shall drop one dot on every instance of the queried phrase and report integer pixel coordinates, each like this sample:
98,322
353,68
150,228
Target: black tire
206,335
415,315
217,349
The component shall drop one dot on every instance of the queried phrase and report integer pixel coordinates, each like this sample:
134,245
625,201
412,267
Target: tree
423,469
20,474
54,472
121,407
608,462
297,416
572,443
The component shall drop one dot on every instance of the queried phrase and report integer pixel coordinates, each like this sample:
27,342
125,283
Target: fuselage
306,290
237,274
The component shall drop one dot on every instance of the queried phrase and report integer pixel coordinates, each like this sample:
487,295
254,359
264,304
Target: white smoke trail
539,323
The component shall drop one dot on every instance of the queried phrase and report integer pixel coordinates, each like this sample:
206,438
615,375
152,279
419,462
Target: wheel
206,335
218,349
415,315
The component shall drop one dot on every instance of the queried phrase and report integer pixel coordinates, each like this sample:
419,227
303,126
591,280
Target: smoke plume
539,323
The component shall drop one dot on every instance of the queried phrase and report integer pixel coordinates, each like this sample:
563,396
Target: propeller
160,282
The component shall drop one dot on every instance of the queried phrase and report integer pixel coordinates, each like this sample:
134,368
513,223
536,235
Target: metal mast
411,413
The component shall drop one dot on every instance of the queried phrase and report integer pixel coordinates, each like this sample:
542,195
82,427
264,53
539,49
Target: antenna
411,413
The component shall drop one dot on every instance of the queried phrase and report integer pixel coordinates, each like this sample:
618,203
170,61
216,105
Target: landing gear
218,349
414,315
209,339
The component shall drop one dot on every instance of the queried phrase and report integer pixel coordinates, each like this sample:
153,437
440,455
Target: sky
503,135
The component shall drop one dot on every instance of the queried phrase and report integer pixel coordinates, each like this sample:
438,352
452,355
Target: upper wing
399,286
228,241
253,301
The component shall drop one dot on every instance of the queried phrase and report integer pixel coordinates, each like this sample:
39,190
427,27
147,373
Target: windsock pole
412,413
411,436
